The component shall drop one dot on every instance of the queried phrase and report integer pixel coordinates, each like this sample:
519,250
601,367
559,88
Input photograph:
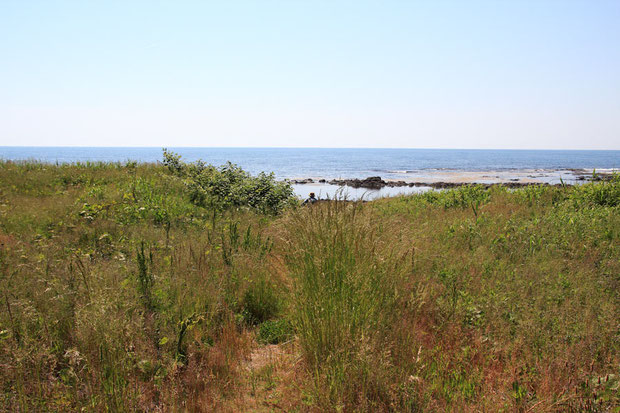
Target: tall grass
345,296
118,293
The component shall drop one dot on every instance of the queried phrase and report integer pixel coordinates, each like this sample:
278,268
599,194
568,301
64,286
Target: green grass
345,299
275,332
119,292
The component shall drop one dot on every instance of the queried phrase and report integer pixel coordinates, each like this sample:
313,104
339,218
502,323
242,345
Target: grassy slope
119,294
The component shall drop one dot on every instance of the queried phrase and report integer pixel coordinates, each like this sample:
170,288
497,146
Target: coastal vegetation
189,287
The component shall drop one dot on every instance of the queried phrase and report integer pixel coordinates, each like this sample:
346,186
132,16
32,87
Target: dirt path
273,374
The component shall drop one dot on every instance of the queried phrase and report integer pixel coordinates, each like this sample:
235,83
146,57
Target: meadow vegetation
189,287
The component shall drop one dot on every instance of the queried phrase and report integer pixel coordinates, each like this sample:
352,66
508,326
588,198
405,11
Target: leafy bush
230,186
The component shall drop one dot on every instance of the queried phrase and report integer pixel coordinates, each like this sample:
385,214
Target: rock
396,184
375,182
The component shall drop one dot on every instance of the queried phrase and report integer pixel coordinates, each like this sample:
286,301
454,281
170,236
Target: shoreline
453,179
424,179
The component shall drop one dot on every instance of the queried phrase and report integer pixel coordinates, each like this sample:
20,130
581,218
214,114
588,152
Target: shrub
230,186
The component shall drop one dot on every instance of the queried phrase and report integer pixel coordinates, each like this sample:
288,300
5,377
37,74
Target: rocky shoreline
376,182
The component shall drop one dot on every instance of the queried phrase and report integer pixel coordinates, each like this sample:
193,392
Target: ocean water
423,165
337,163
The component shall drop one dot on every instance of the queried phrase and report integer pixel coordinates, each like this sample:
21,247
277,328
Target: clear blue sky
439,74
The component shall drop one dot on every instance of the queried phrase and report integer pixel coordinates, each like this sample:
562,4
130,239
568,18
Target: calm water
405,164
337,163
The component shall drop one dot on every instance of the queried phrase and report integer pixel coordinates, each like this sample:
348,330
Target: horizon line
300,147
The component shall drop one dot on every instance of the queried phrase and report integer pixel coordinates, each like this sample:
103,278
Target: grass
121,294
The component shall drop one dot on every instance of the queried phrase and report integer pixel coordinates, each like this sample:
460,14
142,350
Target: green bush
230,186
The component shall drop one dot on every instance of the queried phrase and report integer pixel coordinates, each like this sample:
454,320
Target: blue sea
424,165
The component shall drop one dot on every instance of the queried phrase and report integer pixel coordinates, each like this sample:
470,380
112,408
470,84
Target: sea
421,165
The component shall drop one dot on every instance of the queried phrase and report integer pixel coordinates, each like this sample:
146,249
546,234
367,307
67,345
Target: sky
538,74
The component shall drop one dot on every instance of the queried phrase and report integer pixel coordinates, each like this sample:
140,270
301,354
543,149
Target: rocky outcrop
372,182
375,182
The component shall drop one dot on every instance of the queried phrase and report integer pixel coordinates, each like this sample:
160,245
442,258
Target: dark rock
375,182
396,184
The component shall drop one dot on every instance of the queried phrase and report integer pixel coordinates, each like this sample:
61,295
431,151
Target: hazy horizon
300,147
